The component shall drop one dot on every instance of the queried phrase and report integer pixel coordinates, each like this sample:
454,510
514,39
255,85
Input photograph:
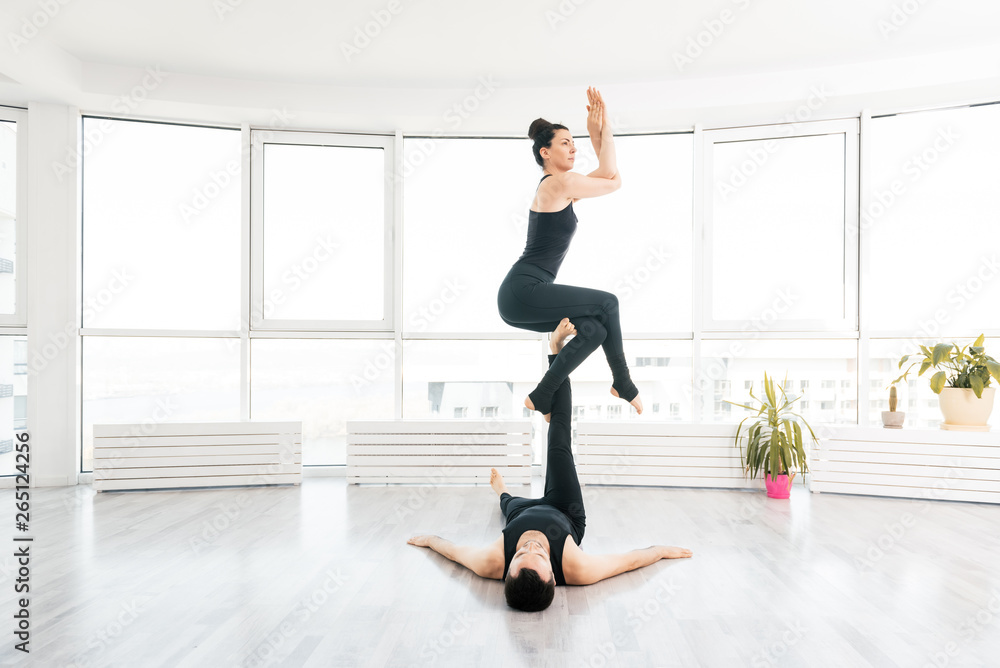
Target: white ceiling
450,44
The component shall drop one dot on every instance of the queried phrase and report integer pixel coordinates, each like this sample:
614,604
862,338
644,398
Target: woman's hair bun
537,125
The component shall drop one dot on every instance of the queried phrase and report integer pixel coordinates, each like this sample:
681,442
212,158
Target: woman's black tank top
549,234
551,522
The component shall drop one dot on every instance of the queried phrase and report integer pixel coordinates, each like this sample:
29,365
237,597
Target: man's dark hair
528,592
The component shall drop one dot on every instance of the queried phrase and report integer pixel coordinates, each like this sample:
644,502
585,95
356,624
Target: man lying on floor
534,553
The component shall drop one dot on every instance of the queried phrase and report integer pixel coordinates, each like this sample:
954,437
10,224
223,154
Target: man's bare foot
497,483
564,330
637,402
530,406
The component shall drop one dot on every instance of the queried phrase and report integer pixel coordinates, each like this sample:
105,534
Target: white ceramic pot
961,406
893,419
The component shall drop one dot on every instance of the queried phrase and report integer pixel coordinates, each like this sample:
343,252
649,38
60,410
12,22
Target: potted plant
774,439
892,419
962,382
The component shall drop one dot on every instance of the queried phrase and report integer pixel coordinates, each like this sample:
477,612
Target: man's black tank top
551,522
549,234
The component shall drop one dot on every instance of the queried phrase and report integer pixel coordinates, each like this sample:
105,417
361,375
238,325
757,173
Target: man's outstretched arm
486,561
581,568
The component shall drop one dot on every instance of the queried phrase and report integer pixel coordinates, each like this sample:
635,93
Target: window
489,411
934,176
615,411
324,383
148,380
803,384
781,208
12,226
161,227
818,360
579,411
443,197
321,209
461,411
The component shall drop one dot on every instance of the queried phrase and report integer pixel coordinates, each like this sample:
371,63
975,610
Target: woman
528,298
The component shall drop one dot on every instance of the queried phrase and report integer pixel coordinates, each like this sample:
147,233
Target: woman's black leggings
562,486
529,299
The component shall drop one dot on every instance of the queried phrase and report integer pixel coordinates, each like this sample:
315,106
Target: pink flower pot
780,488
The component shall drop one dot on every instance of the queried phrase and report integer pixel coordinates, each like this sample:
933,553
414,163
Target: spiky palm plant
774,438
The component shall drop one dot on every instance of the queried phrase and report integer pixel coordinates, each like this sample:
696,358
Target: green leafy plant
966,367
774,438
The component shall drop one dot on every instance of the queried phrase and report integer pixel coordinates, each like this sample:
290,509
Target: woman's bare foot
497,483
637,402
530,406
564,330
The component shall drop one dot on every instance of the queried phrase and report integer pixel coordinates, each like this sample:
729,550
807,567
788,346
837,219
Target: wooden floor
320,575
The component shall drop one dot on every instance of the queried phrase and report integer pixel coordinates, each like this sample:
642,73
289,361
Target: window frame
847,127
259,139
19,318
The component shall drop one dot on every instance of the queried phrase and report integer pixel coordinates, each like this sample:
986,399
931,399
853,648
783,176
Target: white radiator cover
660,454
438,451
196,454
912,463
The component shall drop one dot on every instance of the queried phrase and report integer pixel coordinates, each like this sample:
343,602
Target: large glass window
824,372
8,217
324,383
149,380
779,227
322,222
933,224
636,242
161,226
466,218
